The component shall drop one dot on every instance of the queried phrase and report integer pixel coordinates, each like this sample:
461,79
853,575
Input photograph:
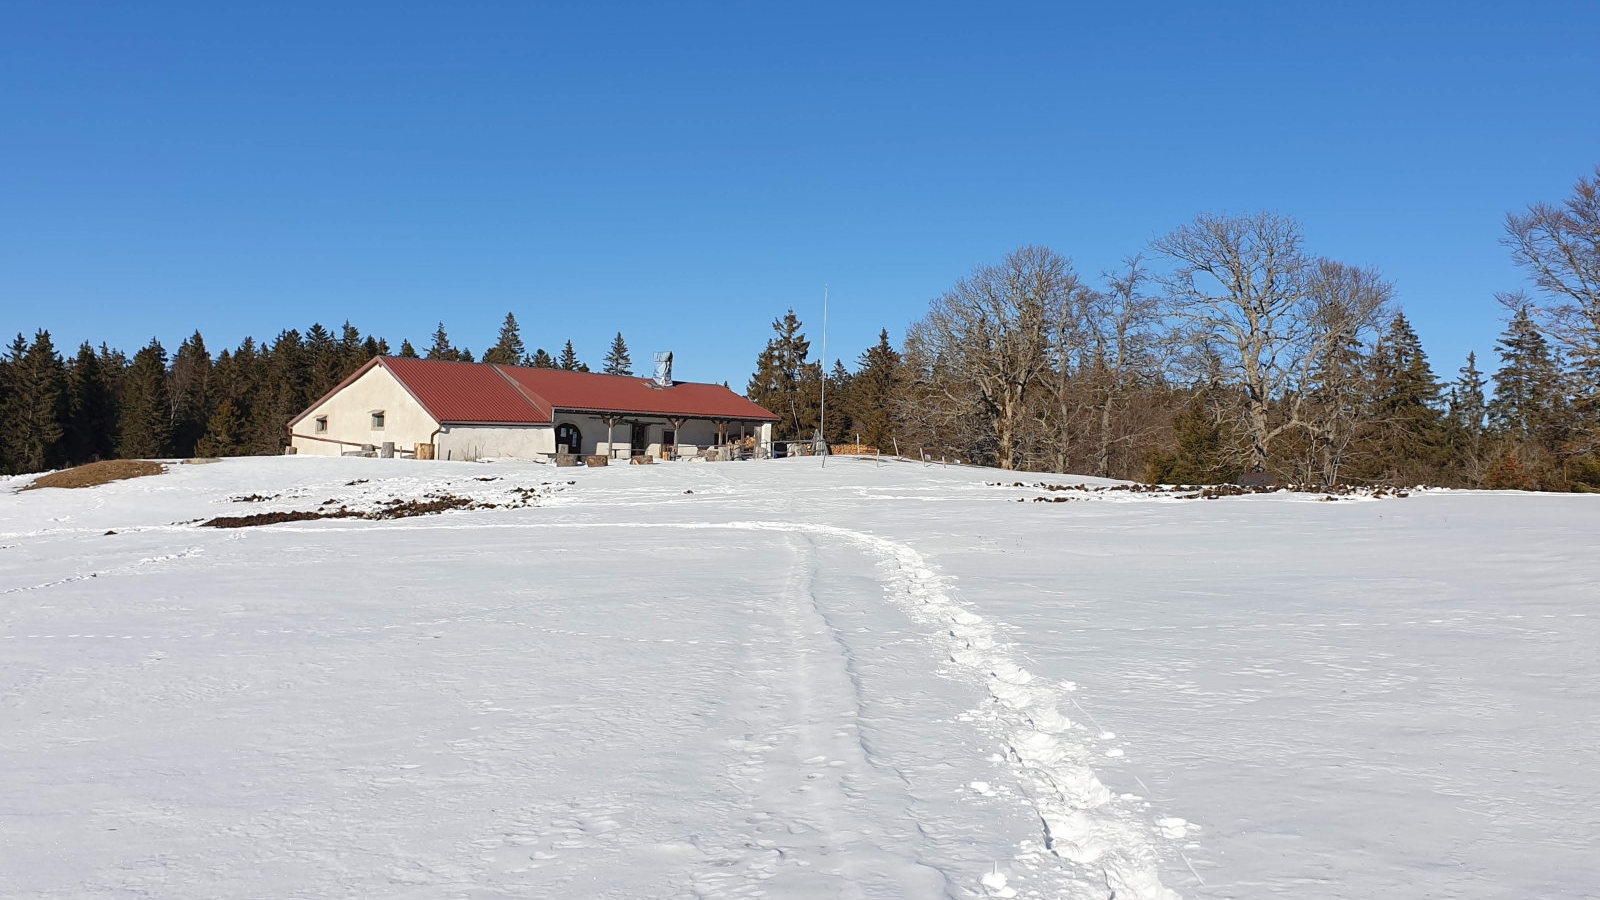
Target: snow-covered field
774,679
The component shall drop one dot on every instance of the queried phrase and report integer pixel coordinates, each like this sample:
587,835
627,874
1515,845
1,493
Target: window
377,420
321,423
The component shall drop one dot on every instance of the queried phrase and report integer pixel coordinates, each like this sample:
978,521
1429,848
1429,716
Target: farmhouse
456,410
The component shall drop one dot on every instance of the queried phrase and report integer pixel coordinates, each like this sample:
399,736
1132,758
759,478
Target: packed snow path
859,681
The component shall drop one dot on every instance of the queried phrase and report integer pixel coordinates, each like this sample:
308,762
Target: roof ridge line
549,408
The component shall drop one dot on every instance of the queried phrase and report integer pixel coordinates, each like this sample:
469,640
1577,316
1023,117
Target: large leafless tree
986,344
1244,287
1560,247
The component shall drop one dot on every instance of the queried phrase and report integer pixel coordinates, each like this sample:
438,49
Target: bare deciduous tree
986,343
1560,246
1244,287
1128,359
1347,302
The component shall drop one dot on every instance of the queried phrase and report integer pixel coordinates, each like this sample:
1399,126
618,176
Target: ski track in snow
1099,834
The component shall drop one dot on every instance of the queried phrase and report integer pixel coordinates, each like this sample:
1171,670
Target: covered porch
620,435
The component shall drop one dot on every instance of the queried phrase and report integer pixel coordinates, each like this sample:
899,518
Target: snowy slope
773,679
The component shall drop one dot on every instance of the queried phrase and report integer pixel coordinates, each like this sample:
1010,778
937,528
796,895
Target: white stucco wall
349,415
496,441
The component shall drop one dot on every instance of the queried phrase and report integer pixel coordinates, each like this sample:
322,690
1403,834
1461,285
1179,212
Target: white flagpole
822,425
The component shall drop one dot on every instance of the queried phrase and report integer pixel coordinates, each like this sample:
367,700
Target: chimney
664,368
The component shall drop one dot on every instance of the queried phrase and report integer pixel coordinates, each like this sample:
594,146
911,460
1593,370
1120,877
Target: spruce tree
1405,405
617,360
1465,426
285,392
569,360
39,407
542,360
1338,404
441,349
190,390
92,423
1201,452
1527,401
407,351
353,351
324,361
785,383
144,423
226,434
1468,405
508,350
841,425
873,393
9,398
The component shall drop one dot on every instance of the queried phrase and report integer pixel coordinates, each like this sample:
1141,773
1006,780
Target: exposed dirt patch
1208,492
98,473
432,504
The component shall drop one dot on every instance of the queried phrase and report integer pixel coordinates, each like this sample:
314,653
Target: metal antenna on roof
822,366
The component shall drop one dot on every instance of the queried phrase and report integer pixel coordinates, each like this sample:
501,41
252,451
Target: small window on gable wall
322,423
377,420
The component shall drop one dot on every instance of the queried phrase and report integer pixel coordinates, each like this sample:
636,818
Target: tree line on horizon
101,404
1226,350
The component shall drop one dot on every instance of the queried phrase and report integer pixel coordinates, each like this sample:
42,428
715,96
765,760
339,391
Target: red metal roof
630,394
466,392
460,393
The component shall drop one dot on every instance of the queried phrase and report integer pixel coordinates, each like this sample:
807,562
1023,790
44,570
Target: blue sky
685,173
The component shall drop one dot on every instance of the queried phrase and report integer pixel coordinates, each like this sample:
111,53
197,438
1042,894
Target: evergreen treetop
508,349
617,360
569,360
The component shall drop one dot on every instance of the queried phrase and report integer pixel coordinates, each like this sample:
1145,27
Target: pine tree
873,393
442,348
324,361
190,391
353,351
407,351
542,360
569,360
92,422
1466,426
1201,452
508,350
10,397
285,391
238,380
144,425
1405,405
840,424
227,432
1527,401
1338,404
1468,405
785,382
618,361
39,407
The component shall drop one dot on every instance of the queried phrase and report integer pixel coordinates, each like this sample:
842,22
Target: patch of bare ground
96,473
396,508
1208,492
